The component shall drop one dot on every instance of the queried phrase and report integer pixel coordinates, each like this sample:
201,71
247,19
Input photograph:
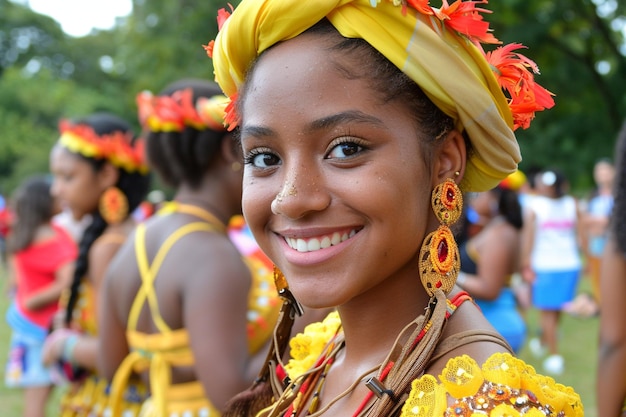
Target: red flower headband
116,147
173,113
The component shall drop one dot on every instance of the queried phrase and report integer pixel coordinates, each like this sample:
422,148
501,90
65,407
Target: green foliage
46,75
582,60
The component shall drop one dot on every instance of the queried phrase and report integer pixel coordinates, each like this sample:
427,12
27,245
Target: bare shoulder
198,257
466,318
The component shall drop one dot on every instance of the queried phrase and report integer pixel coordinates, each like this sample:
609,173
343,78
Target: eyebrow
350,116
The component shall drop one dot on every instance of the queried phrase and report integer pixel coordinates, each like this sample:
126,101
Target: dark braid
618,225
133,185
91,233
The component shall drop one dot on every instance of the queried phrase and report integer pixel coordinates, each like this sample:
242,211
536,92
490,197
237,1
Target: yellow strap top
168,348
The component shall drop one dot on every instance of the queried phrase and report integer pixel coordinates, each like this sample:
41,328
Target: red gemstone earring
439,257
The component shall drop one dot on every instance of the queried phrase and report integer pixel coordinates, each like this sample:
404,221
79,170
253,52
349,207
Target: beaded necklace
311,387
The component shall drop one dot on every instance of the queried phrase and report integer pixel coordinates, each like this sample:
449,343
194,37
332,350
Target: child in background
42,258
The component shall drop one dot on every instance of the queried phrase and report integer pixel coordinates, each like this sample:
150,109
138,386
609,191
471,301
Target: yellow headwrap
450,68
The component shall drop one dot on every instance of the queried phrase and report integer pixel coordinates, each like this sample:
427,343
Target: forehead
301,76
63,160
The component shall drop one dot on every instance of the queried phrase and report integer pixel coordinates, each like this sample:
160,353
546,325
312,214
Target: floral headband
173,113
116,147
513,71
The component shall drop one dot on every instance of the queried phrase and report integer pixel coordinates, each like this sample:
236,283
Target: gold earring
113,205
439,256
235,166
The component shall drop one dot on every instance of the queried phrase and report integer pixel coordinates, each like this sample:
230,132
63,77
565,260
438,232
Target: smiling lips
320,242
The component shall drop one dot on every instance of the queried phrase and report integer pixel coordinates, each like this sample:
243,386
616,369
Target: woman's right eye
262,159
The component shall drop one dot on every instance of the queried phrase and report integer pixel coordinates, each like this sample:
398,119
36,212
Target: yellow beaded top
504,386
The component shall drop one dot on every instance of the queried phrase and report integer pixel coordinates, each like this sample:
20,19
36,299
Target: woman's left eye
344,150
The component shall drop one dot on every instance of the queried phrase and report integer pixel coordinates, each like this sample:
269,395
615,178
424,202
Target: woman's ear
451,158
231,151
108,176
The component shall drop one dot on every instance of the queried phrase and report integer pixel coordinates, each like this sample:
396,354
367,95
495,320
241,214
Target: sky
79,17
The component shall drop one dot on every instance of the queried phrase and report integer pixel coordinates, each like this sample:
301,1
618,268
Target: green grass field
579,344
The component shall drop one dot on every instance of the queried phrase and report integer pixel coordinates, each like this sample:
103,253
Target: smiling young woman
358,122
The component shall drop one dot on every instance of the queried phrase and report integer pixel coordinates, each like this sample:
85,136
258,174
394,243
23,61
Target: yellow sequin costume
502,386
88,397
169,348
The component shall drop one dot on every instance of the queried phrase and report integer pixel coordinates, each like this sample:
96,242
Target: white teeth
302,245
314,244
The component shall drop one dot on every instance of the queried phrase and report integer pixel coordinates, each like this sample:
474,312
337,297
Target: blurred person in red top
5,226
41,262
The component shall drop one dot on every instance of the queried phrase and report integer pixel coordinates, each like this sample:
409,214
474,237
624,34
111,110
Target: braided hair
184,157
134,185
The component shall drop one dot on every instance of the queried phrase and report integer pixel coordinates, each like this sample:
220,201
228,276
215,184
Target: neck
206,201
367,316
371,329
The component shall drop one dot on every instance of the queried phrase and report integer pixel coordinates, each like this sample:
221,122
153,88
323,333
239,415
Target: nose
303,191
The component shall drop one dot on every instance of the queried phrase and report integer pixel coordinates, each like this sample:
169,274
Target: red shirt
35,269
6,217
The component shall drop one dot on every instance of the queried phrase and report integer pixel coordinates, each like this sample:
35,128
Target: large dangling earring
283,291
439,257
113,205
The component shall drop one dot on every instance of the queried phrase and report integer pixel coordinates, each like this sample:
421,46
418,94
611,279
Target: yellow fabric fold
451,71
157,352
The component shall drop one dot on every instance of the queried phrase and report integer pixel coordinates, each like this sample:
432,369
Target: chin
318,299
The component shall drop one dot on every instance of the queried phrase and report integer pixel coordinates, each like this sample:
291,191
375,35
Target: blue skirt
24,367
551,290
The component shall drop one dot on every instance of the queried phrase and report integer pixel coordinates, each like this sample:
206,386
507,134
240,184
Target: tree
582,55
46,75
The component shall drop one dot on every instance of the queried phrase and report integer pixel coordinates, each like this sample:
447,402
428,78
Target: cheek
85,193
256,199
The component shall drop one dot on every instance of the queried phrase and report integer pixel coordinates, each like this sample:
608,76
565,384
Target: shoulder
503,385
105,246
467,332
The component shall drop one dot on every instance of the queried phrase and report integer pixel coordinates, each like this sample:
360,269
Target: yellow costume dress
87,395
159,352
502,386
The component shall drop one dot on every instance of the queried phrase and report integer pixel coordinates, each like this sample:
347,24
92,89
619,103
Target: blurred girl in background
491,258
42,256
551,260
181,289
99,171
